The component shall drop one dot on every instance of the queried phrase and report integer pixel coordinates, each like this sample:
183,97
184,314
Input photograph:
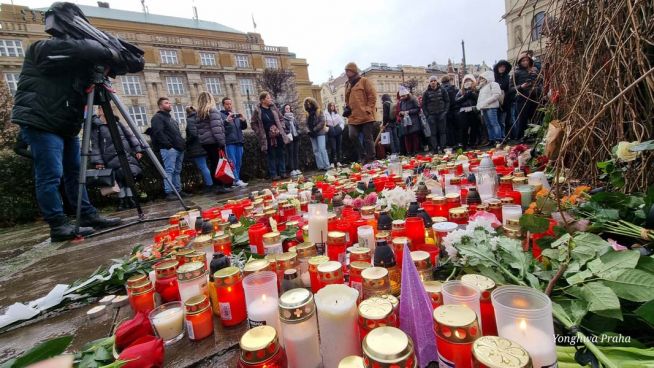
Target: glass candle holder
337,318
168,322
398,247
314,262
398,228
222,243
199,318
166,282
356,280
297,312
366,237
336,245
141,296
304,252
360,254
330,272
255,237
318,223
526,194
495,207
485,285
457,292
375,282
441,229
388,346
434,290
511,212
456,330
193,280
261,299
260,348
422,261
272,243
498,352
375,312
524,315
415,230
458,215
257,265
231,296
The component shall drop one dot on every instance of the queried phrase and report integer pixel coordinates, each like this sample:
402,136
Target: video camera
65,19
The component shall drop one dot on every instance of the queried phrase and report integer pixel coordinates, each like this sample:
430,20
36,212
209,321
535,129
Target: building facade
183,57
526,26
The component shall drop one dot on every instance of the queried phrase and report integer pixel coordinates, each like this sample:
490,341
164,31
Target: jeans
395,138
172,160
320,152
201,164
492,124
235,154
276,161
365,149
292,152
335,144
438,127
56,157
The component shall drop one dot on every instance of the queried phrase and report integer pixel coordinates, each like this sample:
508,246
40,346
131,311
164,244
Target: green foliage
98,353
42,351
534,224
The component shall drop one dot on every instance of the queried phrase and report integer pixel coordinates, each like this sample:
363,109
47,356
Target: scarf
291,121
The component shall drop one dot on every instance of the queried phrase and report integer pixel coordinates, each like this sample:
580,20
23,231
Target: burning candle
456,329
168,322
318,223
337,318
222,243
511,212
415,230
300,328
231,297
261,298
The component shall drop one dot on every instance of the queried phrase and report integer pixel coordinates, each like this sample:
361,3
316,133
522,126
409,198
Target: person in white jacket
336,125
488,103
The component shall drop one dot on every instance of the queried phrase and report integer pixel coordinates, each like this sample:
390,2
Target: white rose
624,152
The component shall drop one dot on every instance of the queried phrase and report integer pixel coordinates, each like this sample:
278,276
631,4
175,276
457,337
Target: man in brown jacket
360,101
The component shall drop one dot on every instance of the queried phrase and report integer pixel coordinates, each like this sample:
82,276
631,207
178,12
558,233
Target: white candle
318,223
366,235
511,212
337,321
539,345
306,279
485,190
169,323
264,311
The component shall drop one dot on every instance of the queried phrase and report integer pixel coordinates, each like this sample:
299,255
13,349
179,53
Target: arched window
537,26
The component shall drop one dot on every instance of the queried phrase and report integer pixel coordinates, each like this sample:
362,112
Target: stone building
183,58
526,24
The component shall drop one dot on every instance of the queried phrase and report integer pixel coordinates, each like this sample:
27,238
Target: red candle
332,221
459,215
255,236
398,228
356,281
336,246
486,286
173,231
398,247
314,262
223,244
330,273
231,297
198,317
456,330
433,251
354,237
434,289
260,348
161,235
441,207
495,207
452,200
166,283
415,230
141,297
343,226
375,312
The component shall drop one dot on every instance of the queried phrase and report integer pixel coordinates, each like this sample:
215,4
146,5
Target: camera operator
235,123
49,107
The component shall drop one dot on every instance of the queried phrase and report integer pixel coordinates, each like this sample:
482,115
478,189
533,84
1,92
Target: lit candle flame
523,325
263,297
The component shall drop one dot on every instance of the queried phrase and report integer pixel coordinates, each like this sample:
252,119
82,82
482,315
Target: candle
456,329
336,245
434,290
231,297
168,322
300,328
389,346
366,237
526,194
141,295
166,282
457,292
337,318
318,223
260,348
330,272
262,301
511,212
495,351
314,262
192,279
199,318
485,286
375,312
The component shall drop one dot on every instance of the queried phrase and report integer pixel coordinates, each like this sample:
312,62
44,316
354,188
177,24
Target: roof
164,20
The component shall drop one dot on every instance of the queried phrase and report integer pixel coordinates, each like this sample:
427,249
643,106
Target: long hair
331,106
205,104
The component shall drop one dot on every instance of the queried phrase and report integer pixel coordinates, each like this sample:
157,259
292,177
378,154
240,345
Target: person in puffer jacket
211,132
195,151
468,119
488,103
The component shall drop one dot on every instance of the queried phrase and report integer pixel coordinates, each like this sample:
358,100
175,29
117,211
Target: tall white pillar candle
318,223
337,321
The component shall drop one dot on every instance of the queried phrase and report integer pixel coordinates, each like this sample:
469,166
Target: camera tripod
100,89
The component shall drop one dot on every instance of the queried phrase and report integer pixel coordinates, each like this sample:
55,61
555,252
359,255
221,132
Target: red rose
145,352
131,330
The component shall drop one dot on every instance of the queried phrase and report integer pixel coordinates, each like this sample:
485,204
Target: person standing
167,136
360,102
194,149
527,92
389,120
501,72
435,104
235,124
317,132
336,126
466,102
292,130
488,103
211,132
267,125
451,123
410,107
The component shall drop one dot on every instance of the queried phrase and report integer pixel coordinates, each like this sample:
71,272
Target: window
537,26
248,108
272,63
131,85
247,86
213,86
517,36
175,86
12,81
13,48
138,114
207,58
168,56
179,113
242,61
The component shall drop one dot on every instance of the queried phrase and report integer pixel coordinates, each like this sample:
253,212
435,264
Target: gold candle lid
513,223
368,210
142,287
456,323
259,344
165,268
383,235
359,254
285,261
421,259
306,250
256,266
453,197
182,240
195,256
507,179
512,232
483,283
271,238
395,302
375,308
357,267
399,241
315,261
398,224
222,238
227,276
388,345
440,200
482,207
197,304
191,271
336,237
136,280
438,219
292,223
434,289
235,227
507,200
458,212
498,352
330,271
296,306
494,204
520,180
202,242
375,278
351,361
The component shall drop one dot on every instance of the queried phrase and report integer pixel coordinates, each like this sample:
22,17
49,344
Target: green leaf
646,264
561,241
579,277
646,312
630,284
491,274
534,224
583,253
44,350
592,240
102,355
601,300
613,259
575,310
533,281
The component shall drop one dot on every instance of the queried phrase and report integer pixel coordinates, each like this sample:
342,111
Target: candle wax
169,323
539,345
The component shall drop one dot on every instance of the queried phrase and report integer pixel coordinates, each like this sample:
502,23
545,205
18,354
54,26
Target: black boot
98,222
130,202
122,204
61,229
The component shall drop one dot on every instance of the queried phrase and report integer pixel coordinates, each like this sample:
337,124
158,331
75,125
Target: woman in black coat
194,150
211,133
103,154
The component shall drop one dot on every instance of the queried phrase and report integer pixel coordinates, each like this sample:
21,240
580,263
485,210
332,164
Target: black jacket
527,75
50,93
211,129
234,130
435,101
466,99
193,146
451,95
165,132
504,80
103,150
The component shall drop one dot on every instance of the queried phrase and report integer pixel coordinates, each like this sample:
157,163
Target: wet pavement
30,266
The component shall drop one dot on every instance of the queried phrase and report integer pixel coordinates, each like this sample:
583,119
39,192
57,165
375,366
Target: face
501,68
268,100
228,105
165,106
350,73
524,63
433,84
467,84
287,108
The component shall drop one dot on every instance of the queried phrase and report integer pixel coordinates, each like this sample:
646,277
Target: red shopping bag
224,171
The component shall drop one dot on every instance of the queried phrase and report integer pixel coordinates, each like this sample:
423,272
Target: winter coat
234,130
504,80
315,118
361,98
193,147
211,129
259,131
435,100
50,93
413,108
165,132
525,75
451,95
333,119
289,120
103,150
388,113
489,94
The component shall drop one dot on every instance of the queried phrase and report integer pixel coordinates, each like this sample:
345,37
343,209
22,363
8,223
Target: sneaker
171,197
338,164
241,183
332,166
99,222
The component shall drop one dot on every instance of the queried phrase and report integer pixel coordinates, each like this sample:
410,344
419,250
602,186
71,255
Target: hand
139,155
230,117
524,85
402,113
99,166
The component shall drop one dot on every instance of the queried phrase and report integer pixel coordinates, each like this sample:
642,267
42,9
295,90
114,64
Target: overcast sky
331,33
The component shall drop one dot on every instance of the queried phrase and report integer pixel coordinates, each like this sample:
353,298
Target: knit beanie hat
351,66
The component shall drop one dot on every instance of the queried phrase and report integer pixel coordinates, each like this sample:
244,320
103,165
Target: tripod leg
85,152
144,143
112,124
